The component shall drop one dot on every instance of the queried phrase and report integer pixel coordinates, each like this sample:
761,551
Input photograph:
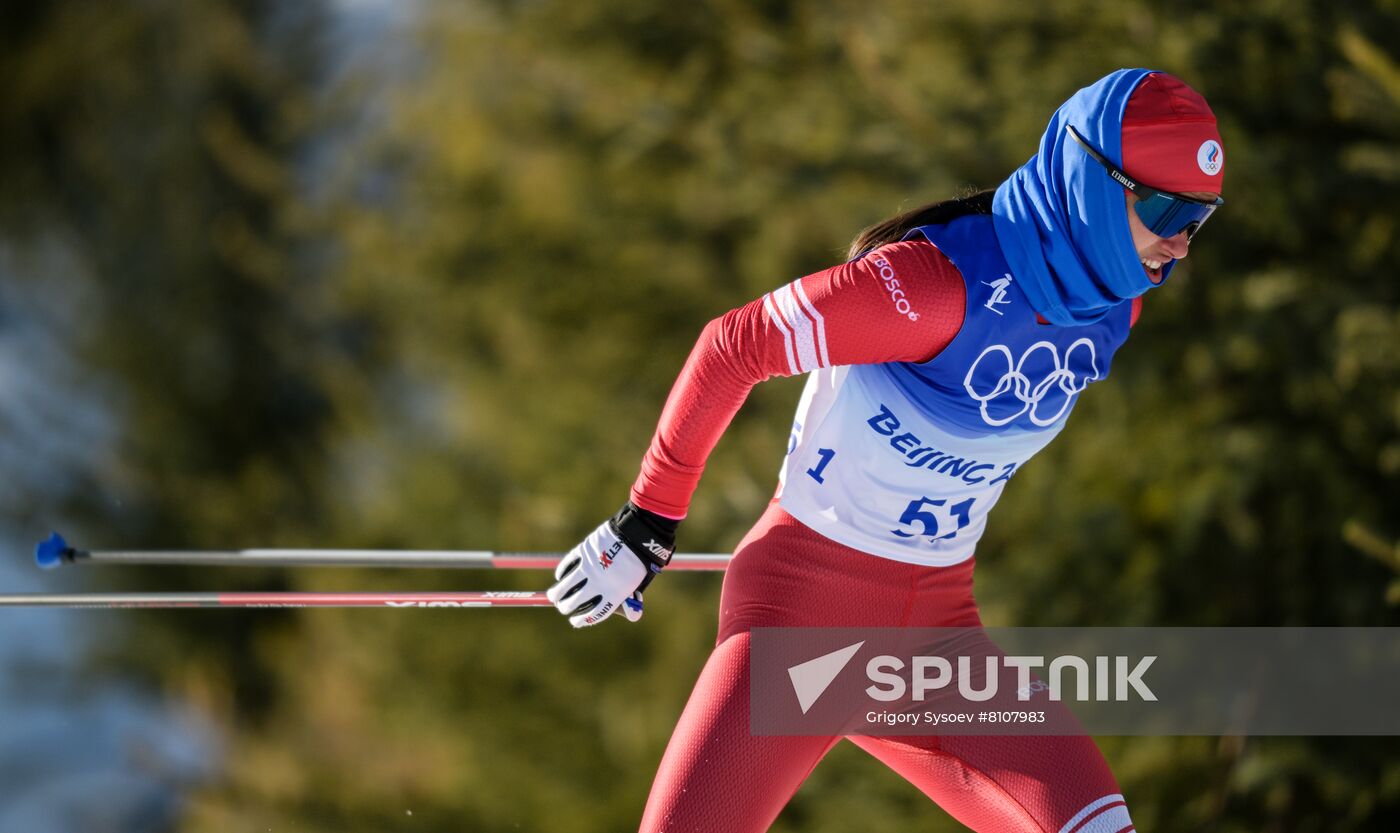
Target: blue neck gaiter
1061,219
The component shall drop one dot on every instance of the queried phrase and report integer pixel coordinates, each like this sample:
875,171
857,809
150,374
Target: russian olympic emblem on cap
1210,157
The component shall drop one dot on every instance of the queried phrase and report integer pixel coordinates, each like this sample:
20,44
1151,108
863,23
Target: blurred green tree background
425,282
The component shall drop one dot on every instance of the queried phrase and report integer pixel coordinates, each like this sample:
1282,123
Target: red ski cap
1170,140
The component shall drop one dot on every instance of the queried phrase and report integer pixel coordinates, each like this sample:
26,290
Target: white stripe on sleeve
803,328
817,320
782,328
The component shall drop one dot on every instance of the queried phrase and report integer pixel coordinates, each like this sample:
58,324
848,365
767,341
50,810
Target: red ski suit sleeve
902,302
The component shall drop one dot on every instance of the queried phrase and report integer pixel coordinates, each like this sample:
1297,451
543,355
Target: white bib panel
867,469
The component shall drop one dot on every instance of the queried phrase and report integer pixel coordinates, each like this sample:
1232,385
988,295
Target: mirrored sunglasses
1163,213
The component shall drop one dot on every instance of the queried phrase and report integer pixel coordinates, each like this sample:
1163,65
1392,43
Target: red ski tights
716,777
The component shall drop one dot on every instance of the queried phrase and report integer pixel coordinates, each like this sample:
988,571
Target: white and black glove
612,567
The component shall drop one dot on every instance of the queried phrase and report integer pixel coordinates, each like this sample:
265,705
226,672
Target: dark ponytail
894,229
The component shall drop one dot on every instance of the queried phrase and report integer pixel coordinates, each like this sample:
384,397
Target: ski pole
55,552
490,598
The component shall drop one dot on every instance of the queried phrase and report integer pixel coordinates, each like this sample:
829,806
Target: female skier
947,351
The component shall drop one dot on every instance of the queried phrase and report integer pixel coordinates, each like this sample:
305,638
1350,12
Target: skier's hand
612,566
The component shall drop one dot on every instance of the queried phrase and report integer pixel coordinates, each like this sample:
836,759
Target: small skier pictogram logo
998,293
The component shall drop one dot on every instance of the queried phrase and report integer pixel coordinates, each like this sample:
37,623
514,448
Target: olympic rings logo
1016,383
